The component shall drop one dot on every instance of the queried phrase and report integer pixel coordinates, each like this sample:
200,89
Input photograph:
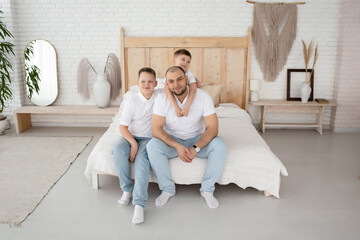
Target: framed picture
295,79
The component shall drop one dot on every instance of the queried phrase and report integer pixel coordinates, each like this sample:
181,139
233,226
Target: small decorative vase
305,92
102,91
3,125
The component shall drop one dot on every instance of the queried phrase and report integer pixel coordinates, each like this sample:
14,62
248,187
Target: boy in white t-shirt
135,129
182,58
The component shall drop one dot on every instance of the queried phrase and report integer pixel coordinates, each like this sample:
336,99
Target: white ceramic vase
102,91
305,92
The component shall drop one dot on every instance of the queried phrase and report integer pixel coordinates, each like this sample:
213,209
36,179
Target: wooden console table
283,106
22,116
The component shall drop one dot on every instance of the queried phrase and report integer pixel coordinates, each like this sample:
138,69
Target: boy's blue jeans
121,153
159,153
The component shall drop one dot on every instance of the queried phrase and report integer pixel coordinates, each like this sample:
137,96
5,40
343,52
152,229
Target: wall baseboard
339,129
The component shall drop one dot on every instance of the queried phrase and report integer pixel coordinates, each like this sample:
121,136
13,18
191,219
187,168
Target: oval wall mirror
41,72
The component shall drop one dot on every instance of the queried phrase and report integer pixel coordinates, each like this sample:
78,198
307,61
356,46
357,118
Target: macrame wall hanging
273,33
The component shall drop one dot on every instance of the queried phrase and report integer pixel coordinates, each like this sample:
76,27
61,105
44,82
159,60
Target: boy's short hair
182,52
148,70
174,69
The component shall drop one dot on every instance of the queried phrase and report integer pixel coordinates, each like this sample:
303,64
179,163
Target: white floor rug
29,168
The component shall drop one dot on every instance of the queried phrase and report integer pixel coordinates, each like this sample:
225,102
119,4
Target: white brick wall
91,29
347,87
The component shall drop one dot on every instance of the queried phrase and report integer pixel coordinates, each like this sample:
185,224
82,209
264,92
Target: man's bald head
174,69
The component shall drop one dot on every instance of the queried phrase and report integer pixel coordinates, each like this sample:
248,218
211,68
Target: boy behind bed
182,58
135,129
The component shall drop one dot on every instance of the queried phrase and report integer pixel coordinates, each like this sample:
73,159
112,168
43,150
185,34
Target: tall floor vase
102,91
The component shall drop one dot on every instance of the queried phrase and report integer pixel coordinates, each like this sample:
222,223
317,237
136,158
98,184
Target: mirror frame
57,77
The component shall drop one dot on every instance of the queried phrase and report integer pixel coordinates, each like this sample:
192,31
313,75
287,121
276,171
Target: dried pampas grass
83,73
307,52
111,70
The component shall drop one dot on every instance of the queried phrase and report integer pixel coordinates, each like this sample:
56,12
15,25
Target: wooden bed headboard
215,60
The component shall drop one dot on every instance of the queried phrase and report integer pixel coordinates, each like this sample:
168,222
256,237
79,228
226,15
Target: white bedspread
249,162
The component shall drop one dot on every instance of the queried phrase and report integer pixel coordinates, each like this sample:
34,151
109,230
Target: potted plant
6,49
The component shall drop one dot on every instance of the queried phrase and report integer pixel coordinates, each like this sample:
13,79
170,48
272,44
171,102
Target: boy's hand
178,111
133,151
198,83
185,111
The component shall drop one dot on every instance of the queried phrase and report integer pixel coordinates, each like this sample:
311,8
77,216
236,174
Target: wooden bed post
247,87
122,62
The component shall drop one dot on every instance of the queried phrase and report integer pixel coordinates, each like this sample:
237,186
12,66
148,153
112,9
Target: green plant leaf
6,49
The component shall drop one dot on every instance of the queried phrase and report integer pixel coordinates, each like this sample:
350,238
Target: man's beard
181,93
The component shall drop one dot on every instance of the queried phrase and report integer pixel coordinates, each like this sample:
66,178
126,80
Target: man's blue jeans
121,153
159,153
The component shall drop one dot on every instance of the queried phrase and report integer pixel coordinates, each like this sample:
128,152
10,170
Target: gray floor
320,199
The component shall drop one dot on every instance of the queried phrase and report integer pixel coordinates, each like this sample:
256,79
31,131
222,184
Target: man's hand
192,152
133,151
184,153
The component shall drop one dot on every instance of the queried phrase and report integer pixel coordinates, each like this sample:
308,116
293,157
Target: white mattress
249,163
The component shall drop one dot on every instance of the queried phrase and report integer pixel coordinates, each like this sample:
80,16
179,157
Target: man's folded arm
158,123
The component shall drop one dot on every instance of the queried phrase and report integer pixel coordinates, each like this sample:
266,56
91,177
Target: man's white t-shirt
185,127
190,76
137,114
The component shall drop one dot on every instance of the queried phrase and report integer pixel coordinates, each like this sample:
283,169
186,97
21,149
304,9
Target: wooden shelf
299,125
284,106
280,102
22,116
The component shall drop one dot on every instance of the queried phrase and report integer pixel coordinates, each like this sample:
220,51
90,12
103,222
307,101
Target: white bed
216,60
249,163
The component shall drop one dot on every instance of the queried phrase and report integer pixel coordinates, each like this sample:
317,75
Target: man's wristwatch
197,149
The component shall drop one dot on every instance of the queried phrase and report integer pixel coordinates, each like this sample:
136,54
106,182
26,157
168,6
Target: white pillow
231,105
134,88
160,83
230,110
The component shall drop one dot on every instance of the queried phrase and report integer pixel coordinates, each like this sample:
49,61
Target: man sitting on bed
186,137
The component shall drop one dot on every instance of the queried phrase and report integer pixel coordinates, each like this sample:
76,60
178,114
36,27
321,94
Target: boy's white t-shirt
190,76
185,127
137,114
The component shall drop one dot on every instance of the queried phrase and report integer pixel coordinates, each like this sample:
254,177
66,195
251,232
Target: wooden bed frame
215,60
